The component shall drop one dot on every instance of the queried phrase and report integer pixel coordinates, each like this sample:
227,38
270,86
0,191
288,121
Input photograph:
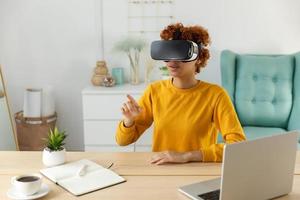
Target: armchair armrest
228,74
294,120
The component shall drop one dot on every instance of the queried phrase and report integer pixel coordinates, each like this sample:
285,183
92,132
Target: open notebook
96,177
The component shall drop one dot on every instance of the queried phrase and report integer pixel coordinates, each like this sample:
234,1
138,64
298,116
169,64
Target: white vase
53,158
32,102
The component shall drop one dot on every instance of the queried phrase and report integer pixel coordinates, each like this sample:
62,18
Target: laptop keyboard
213,195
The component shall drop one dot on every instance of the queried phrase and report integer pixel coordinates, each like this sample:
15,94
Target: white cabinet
101,114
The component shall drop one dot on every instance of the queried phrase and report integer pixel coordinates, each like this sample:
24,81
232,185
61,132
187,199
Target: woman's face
181,69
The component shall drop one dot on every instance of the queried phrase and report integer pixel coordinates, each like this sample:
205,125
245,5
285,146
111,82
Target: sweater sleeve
128,135
227,122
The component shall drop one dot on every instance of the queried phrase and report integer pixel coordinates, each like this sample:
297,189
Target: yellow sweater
185,119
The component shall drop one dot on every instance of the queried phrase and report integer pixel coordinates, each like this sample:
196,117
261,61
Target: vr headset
174,50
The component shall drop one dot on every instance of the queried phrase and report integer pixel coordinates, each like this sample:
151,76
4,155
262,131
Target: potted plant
164,72
54,152
132,47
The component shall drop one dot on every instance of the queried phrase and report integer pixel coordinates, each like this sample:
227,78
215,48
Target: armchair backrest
263,87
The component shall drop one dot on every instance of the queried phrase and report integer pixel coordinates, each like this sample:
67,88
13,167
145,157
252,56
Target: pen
82,170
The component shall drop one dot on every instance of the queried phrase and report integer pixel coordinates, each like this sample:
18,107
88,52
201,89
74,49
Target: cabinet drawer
146,137
100,132
104,106
103,133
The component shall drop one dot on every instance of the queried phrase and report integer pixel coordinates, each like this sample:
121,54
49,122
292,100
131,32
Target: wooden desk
144,181
124,164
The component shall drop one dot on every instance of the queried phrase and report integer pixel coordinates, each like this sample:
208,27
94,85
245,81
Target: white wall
7,142
56,42
50,42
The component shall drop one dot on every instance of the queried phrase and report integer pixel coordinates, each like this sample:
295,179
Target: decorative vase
101,68
53,158
100,71
97,80
108,81
118,75
134,74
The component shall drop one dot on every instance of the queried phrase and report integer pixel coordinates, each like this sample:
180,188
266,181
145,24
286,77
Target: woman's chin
174,74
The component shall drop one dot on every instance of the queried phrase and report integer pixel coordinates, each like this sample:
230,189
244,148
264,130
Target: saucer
11,193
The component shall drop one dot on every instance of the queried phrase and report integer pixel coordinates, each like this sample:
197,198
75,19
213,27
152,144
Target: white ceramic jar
53,158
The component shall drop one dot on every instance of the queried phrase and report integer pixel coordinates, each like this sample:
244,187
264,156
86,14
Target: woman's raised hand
130,110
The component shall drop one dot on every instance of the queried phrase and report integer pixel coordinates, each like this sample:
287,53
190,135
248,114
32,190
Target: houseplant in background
164,72
149,65
132,47
54,151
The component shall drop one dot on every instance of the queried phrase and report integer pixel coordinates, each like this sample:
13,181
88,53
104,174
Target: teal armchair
265,91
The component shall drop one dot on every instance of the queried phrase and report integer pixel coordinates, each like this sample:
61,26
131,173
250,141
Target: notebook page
69,170
91,181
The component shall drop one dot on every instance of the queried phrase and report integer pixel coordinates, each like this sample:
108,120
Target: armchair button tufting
254,77
274,101
274,79
253,100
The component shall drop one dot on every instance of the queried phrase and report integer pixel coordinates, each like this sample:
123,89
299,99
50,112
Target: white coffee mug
27,184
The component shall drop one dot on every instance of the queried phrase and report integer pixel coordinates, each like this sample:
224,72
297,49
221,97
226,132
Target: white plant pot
53,158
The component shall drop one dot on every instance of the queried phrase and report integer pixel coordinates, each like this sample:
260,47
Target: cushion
263,94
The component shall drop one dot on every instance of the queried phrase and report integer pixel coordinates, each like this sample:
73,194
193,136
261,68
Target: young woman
187,113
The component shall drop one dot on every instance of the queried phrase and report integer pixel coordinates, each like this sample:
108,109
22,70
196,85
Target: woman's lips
173,67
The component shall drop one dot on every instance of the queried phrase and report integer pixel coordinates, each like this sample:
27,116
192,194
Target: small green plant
55,139
164,70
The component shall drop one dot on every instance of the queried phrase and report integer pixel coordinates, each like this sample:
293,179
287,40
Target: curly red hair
197,34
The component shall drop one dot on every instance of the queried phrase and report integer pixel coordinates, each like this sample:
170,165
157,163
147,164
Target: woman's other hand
176,157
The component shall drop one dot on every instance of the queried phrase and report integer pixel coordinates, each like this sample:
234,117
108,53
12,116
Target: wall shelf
148,17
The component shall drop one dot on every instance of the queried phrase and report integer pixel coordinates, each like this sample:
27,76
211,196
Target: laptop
256,169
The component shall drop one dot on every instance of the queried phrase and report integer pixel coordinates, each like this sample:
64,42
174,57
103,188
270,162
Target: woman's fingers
129,111
123,111
135,109
155,160
168,157
159,159
133,101
126,112
130,98
125,107
131,107
162,161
